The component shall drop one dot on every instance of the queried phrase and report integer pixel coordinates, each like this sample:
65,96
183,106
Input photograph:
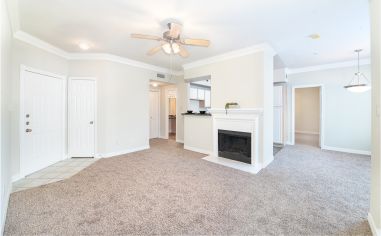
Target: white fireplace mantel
242,111
241,120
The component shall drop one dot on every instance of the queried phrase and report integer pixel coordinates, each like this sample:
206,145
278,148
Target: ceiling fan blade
174,30
183,52
145,36
154,50
196,42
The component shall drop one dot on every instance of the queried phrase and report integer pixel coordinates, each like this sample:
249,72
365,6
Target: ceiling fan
171,42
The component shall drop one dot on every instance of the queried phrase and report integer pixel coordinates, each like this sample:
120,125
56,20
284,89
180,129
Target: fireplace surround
245,123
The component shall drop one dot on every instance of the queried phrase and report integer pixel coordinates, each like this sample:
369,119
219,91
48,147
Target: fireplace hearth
234,145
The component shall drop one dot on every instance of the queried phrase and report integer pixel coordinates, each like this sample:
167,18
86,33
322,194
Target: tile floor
56,172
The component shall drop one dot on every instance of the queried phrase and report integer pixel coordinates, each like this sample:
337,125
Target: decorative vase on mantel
231,105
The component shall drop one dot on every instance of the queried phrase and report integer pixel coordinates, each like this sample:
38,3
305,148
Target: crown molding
117,59
338,65
29,39
264,47
34,41
13,14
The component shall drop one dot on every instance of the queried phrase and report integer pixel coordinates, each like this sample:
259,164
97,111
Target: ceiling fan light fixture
84,46
175,48
167,48
171,42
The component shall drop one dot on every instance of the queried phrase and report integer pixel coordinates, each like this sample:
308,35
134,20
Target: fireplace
234,145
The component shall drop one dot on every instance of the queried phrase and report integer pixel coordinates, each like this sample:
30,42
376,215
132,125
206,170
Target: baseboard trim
306,132
347,150
17,177
4,209
118,153
179,141
252,169
198,150
375,231
289,143
265,164
163,137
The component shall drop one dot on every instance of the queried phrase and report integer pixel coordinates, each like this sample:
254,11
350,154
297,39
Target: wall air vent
162,76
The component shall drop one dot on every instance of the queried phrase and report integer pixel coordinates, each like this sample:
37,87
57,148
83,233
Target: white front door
81,107
154,99
42,120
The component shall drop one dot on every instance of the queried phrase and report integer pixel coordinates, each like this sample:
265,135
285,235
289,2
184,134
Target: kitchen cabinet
200,94
207,98
193,93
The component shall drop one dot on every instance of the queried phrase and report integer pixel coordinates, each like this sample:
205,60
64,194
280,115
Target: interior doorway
307,115
172,118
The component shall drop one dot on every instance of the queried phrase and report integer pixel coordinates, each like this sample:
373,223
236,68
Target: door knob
91,122
28,130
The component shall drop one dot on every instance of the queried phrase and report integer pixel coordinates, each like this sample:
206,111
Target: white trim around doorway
322,112
155,90
167,97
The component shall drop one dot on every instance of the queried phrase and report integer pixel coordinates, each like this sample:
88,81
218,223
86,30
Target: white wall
123,104
235,80
123,98
375,202
181,107
247,80
347,116
6,78
307,110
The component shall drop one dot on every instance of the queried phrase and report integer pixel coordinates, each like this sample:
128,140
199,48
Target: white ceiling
285,24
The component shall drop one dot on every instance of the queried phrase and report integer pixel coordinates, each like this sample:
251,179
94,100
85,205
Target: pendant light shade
359,82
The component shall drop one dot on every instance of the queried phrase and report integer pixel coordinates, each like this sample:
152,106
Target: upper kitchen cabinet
193,93
200,94
207,99
280,75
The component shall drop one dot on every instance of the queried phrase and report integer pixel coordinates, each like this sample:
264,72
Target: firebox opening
234,145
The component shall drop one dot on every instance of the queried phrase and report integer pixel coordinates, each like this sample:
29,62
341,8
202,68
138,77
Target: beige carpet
168,190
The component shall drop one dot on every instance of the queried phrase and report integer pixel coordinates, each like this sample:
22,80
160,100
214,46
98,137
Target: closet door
82,107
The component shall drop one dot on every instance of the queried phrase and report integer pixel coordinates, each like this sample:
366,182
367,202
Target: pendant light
359,82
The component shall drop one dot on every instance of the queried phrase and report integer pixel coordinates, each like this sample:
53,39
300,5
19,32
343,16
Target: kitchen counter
196,114
198,133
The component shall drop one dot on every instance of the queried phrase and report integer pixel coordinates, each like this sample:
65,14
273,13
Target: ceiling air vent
162,76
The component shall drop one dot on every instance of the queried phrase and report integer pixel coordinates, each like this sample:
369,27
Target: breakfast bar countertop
196,114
